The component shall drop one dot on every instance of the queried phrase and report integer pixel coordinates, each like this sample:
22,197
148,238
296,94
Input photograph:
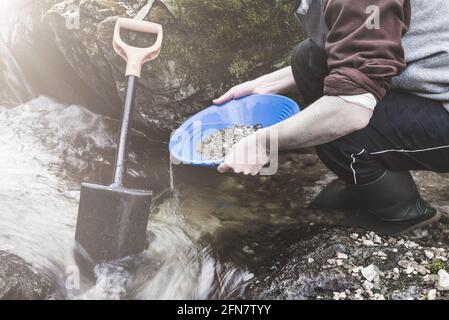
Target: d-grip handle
134,56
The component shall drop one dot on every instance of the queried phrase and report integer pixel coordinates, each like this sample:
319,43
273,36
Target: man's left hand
248,156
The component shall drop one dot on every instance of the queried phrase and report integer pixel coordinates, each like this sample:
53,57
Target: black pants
405,133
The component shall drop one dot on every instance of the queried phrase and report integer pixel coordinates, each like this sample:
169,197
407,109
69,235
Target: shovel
112,220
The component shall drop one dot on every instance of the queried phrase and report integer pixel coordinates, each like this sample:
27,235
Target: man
376,77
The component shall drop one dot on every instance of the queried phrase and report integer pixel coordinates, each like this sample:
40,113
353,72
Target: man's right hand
278,82
241,90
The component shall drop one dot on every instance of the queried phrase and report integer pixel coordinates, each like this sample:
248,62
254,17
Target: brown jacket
362,58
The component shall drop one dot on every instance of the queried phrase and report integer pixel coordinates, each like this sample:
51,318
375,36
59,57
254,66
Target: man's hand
278,82
241,90
248,156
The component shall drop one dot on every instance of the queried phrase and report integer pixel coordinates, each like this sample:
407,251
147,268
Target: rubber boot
337,196
393,199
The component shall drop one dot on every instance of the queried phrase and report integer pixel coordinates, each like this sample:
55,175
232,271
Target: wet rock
208,47
21,281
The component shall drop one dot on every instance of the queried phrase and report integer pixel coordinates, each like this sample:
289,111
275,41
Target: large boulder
22,281
209,45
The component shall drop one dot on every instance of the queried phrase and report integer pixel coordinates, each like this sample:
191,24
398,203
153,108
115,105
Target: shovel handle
134,56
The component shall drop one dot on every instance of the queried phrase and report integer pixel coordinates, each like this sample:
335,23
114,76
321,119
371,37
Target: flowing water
46,151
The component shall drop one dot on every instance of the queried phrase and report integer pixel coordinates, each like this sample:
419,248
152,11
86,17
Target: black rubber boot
337,196
391,205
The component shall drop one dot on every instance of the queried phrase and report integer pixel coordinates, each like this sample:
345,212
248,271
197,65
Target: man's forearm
279,82
326,120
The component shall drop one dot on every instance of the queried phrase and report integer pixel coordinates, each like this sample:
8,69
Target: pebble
339,295
411,245
409,270
368,243
443,280
377,239
396,270
354,236
432,294
371,273
342,256
368,286
422,270
310,260
357,269
379,296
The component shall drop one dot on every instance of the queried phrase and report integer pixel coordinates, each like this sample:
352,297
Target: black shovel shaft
121,158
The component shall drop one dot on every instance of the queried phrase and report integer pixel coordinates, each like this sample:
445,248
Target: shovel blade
112,221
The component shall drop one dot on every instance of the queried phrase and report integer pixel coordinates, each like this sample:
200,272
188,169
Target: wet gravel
217,145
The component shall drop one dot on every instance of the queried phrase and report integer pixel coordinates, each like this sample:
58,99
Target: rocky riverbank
325,259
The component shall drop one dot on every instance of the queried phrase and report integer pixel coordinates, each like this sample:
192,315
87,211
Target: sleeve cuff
366,100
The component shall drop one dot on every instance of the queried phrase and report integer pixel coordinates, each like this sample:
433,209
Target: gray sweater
426,46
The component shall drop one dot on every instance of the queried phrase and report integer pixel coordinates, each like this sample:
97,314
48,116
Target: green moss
220,42
436,265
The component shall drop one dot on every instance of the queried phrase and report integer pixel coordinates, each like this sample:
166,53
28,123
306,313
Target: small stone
368,243
411,245
339,295
427,278
432,294
422,270
310,260
357,269
382,254
339,262
379,297
368,286
443,280
370,273
358,296
342,256
377,239
396,270
409,270
354,236
331,261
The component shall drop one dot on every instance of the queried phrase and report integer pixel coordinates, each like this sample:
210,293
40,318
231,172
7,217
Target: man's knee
309,66
307,56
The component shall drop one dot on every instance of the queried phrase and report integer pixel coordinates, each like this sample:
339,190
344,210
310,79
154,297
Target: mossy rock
209,45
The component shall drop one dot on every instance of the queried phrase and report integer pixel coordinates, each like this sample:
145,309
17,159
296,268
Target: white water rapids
46,150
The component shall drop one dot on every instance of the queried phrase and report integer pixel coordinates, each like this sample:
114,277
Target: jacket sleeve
363,59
